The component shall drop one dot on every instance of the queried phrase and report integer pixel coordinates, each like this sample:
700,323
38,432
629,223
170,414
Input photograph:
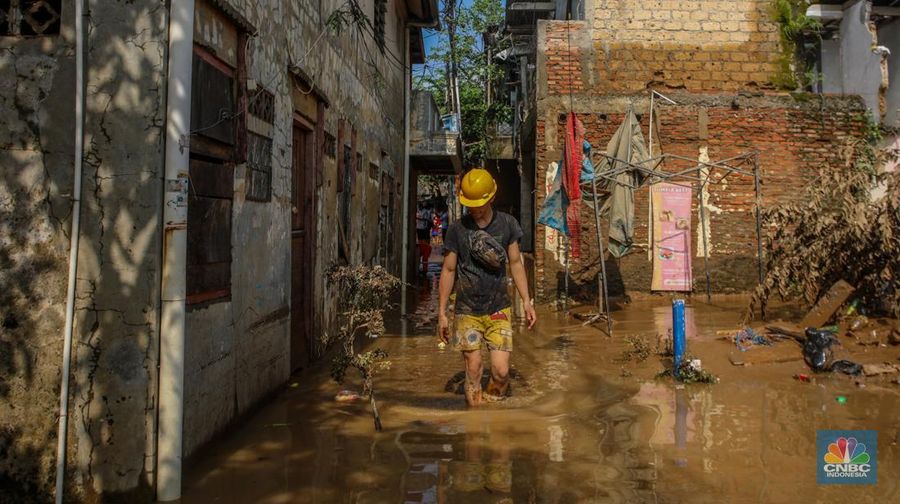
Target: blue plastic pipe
678,341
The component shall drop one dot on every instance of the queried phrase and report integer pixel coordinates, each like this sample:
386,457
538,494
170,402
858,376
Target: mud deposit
582,425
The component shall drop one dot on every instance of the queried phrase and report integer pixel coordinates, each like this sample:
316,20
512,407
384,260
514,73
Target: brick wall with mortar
794,139
702,46
716,59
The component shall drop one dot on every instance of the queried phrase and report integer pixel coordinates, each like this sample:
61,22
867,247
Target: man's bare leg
499,373
473,377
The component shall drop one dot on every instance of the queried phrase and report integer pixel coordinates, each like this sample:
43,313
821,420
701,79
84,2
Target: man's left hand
530,315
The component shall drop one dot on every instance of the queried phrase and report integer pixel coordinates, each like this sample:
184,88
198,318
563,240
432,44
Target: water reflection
457,463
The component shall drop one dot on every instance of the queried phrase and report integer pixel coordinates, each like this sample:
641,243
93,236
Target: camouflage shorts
493,331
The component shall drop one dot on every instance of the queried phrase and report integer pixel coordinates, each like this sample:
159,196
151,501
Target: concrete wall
716,59
112,414
889,36
239,350
36,145
860,66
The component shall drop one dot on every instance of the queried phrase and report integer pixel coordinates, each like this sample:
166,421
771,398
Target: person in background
423,237
436,224
445,223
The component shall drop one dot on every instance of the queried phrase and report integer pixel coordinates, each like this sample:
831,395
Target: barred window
330,146
378,21
259,167
262,105
30,17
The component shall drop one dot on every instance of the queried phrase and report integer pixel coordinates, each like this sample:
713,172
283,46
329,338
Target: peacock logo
847,457
846,451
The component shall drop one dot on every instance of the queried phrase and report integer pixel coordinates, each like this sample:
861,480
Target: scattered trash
846,367
786,329
441,345
736,361
859,322
805,378
817,349
879,369
295,385
828,304
841,399
832,328
852,308
346,396
747,337
860,384
894,336
696,365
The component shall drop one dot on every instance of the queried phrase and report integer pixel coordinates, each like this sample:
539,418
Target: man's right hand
443,328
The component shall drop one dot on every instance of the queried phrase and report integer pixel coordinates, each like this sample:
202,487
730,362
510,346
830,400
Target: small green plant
638,349
795,29
363,293
688,373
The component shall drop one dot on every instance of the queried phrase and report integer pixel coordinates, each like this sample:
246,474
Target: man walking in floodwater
477,250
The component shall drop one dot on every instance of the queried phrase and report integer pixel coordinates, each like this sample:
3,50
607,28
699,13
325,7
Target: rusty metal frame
684,178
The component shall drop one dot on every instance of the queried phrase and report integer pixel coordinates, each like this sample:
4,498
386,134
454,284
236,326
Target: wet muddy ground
582,425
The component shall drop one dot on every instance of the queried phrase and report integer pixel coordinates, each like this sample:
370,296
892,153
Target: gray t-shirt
480,290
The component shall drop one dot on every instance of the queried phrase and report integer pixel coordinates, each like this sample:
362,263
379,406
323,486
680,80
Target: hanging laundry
587,166
573,155
626,146
553,213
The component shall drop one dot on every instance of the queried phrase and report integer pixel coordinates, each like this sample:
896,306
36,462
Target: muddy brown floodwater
581,426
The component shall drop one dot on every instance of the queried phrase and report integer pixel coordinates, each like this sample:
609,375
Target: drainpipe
171,351
404,256
73,253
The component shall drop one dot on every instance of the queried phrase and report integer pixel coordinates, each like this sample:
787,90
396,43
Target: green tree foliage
478,119
796,30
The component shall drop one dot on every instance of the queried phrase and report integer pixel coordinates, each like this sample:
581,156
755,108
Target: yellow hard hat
477,188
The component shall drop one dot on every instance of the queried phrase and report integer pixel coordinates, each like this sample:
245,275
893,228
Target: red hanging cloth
573,157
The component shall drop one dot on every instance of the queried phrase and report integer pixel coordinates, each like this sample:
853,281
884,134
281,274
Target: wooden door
302,245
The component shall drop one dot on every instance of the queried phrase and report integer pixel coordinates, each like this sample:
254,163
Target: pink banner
671,237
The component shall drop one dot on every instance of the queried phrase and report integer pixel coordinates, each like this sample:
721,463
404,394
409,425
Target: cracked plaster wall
113,383
35,189
237,351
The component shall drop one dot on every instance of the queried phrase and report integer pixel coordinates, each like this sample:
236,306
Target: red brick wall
793,138
564,57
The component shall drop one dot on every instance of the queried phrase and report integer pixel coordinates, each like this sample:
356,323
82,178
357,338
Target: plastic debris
346,396
841,399
442,345
805,378
859,322
747,337
817,349
846,367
